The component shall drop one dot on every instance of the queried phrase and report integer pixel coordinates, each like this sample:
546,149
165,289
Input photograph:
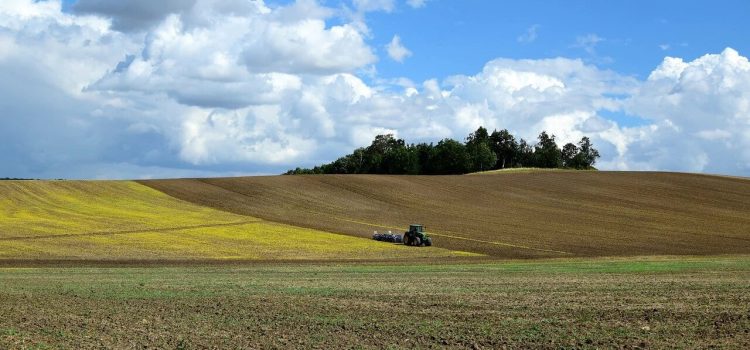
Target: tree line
481,151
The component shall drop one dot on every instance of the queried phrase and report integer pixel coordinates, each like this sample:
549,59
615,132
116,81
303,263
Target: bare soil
507,215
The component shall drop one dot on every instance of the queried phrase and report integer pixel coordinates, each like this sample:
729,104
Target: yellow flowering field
125,220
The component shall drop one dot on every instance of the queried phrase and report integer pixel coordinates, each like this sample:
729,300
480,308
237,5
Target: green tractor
417,237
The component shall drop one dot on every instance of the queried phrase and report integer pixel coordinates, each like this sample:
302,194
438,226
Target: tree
424,156
569,154
450,157
587,154
481,157
546,152
482,151
505,147
480,136
399,160
525,154
375,161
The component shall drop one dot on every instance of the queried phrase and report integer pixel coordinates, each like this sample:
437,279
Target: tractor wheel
428,242
417,242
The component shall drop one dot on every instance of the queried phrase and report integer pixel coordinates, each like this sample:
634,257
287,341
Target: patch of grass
8,332
657,302
523,171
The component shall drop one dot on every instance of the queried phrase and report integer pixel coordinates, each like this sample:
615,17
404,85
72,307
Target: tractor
416,236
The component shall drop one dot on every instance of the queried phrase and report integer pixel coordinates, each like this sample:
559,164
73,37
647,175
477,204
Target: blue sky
635,35
142,88
456,37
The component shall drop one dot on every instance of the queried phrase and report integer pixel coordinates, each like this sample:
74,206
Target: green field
596,303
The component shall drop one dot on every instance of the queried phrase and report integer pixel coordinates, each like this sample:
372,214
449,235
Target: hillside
514,215
123,220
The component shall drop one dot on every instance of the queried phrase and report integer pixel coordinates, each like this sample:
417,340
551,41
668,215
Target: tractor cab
416,236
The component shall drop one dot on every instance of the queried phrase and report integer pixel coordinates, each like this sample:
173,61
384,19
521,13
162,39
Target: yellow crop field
114,220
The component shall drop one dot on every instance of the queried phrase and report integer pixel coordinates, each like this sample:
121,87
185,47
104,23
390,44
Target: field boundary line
124,232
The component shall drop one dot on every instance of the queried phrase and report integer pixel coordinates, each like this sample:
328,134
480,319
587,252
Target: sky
99,89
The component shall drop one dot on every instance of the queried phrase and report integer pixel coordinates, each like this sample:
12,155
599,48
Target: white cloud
133,15
588,43
416,3
702,109
396,50
529,36
266,89
374,5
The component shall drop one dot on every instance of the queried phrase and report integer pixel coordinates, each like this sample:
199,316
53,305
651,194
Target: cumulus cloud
134,14
701,107
230,87
396,50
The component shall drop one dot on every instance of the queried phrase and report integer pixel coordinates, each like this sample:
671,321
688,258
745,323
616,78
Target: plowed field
123,220
514,215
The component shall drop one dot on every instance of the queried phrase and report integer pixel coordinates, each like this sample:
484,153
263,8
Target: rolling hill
123,220
508,215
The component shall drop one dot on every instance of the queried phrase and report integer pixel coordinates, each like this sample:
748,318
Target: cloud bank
227,87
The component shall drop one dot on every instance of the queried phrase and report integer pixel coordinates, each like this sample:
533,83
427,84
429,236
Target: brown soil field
508,215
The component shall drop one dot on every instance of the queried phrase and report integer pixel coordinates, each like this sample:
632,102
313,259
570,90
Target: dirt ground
127,221
508,215
580,303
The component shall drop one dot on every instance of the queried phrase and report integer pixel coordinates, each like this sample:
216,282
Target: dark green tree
389,155
481,157
478,137
425,154
450,157
525,154
480,154
569,154
587,154
399,160
505,147
546,152
377,157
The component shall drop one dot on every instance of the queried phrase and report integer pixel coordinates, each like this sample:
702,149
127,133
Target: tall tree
525,154
375,154
480,136
569,154
481,157
399,160
425,154
546,152
450,157
389,155
505,147
587,154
